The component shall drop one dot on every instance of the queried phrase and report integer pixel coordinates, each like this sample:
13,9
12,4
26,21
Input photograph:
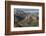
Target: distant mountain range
22,13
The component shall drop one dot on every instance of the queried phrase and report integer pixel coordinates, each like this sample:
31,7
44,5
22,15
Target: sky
26,10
